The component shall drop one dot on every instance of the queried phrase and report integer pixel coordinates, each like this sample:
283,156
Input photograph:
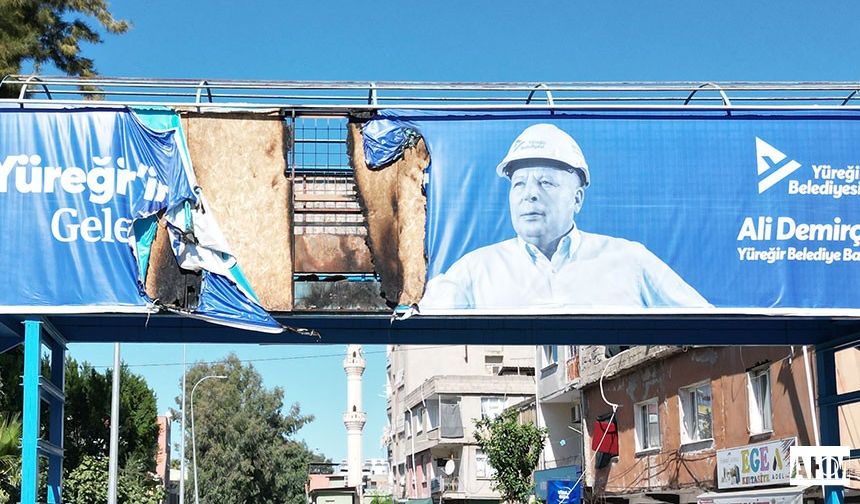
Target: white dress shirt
586,270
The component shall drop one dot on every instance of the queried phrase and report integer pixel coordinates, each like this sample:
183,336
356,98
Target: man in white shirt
551,263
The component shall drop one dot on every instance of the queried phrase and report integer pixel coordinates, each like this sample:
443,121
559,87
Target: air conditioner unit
437,484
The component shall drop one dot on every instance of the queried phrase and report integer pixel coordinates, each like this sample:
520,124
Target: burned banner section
389,163
218,289
620,214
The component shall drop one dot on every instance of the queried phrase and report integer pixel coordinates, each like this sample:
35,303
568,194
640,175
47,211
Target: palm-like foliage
10,441
10,455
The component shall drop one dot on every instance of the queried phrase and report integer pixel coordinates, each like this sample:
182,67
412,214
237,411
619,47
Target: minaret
354,418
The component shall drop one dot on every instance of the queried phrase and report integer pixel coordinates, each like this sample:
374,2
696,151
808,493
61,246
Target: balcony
354,420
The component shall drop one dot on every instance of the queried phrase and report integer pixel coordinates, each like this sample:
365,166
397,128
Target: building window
761,414
571,351
432,415
575,413
407,420
492,407
696,414
550,355
419,420
483,469
647,421
493,363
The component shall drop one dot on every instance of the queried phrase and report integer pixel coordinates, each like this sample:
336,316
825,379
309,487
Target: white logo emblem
772,164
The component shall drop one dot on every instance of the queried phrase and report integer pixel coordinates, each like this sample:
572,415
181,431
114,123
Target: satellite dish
449,467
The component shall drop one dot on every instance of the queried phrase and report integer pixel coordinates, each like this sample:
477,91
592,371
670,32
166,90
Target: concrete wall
592,360
564,445
557,388
553,377
425,361
674,466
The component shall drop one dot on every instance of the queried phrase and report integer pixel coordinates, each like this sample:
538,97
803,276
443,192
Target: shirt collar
566,248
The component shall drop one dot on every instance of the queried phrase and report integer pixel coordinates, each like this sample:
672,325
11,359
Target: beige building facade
435,395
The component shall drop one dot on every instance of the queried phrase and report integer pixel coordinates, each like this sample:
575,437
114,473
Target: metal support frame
38,388
829,401
344,97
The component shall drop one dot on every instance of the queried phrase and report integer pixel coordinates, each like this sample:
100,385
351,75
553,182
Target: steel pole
182,441
193,440
114,427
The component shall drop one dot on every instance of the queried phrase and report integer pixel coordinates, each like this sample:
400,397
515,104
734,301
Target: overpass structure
335,276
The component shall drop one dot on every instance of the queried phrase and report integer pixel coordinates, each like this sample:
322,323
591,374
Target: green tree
382,499
246,451
51,31
88,483
87,426
11,370
513,449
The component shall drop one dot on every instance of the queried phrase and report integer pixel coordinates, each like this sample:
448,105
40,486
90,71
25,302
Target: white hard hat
545,144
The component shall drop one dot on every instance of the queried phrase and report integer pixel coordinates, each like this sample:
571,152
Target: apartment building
707,425
435,394
698,425
559,409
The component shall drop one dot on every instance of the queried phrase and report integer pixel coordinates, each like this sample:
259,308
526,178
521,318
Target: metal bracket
848,99
202,84
371,95
726,102
32,78
546,89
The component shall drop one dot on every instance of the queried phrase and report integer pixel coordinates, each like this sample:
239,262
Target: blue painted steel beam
9,342
57,415
840,399
339,328
30,417
10,333
828,411
37,332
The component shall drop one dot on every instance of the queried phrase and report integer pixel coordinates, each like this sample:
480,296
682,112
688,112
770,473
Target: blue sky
310,375
475,40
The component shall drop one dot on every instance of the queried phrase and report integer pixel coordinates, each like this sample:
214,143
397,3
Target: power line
271,359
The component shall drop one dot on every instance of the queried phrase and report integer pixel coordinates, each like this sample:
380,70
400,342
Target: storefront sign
759,464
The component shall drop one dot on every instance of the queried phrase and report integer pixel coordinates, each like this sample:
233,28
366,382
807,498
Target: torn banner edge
214,259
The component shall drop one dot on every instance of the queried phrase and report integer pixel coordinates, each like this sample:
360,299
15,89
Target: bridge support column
38,388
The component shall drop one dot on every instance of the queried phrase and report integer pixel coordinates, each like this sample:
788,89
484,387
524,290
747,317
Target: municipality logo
829,180
773,165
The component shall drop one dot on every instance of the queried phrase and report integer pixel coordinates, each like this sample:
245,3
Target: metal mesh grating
324,187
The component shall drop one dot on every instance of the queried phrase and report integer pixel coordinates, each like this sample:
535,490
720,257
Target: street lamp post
193,442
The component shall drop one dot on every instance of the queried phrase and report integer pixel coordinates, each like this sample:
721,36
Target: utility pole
182,441
114,427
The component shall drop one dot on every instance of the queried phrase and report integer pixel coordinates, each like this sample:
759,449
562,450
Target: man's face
543,203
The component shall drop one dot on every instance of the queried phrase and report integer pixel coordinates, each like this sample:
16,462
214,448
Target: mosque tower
354,418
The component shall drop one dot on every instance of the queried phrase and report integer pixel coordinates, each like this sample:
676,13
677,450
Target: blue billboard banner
563,492
631,214
80,191
561,480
